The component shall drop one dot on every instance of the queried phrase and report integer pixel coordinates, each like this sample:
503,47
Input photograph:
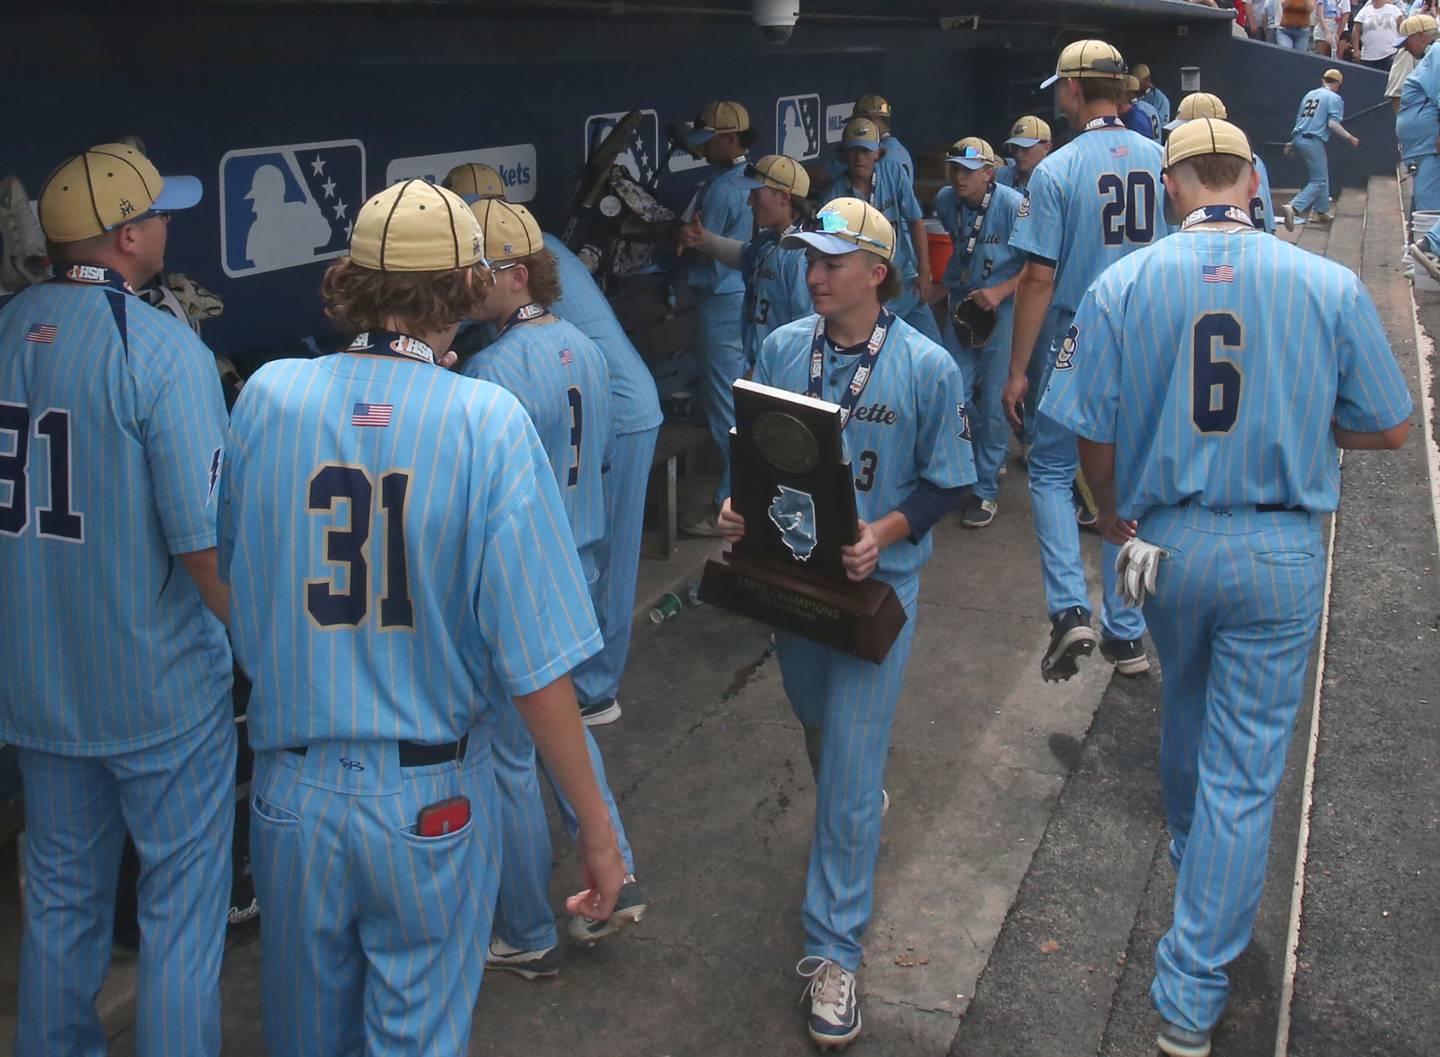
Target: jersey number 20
1129,213
1215,383
347,545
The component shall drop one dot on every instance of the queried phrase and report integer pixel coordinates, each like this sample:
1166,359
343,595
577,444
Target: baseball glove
973,324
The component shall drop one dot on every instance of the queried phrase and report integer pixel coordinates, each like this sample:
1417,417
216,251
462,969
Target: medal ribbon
975,225
389,343
94,275
1206,214
1104,121
863,369
523,314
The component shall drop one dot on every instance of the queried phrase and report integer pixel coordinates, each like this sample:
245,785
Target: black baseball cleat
1071,637
1176,1041
1127,655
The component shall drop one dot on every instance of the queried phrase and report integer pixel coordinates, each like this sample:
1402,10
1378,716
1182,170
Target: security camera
775,18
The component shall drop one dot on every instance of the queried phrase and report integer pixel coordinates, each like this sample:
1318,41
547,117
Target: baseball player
775,290
1138,115
984,270
1417,127
1320,114
1203,104
877,108
721,135
1071,234
401,571
560,378
1209,424
1029,143
117,673
867,178
1150,94
637,416
909,470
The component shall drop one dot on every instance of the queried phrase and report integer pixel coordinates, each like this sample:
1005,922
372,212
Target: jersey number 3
347,545
1129,213
1215,383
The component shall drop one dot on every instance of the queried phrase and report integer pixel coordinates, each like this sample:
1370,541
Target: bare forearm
1035,287
203,568
892,528
1097,462
552,716
726,251
1383,440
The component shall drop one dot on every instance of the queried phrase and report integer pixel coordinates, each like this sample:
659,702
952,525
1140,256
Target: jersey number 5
347,545
57,521
1129,214
1215,383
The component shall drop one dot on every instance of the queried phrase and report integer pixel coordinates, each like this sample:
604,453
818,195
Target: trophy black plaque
792,484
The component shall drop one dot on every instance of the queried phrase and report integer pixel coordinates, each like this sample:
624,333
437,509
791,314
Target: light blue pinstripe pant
724,347
909,307
1316,192
177,800
523,917
984,372
598,679
373,938
1054,462
1237,608
846,706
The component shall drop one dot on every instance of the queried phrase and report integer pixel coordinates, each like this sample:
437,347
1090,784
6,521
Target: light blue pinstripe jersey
1225,391
1090,203
994,260
111,429
726,208
1009,176
633,397
775,289
909,424
1154,115
894,196
392,582
1157,101
896,154
1319,107
560,378
1417,125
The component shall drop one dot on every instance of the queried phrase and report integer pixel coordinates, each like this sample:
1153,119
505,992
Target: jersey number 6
1129,215
1215,383
347,545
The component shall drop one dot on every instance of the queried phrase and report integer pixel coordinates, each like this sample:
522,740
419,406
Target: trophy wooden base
859,618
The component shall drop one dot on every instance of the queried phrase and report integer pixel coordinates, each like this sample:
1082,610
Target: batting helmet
973,324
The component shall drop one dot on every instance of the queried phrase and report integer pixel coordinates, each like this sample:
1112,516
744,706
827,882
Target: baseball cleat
532,965
1182,1042
599,713
1322,218
630,907
834,1008
1289,212
979,512
1421,255
708,526
1127,655
23,262
1071,637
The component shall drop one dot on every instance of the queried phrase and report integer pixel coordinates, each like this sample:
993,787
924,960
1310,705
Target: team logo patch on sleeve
1065,358
216,458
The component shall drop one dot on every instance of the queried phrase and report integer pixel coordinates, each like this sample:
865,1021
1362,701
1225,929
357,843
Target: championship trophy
794,487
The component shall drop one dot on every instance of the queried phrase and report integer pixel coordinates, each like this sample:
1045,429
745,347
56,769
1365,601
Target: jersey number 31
347,545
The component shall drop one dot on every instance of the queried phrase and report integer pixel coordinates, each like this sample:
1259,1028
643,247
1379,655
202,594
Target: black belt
1309,135
1260,508
415,754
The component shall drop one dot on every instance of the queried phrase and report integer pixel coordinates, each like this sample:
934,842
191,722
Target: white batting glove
1136,566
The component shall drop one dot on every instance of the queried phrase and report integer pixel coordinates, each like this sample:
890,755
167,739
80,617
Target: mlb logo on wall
515,164
836,115
797,126
281,207
641,155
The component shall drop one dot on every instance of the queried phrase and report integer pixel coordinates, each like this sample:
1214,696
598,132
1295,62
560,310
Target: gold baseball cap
510,230
414,226
872,106
1140,70
1198,105
717,117
1206,135
1088,58
777,171
1419,24
107,186
844,225
1333,75
1132,83
1028,131
860,132
973,153
473,181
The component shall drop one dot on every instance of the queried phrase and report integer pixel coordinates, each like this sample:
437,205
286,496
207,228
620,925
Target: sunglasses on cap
1101,65
835,224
